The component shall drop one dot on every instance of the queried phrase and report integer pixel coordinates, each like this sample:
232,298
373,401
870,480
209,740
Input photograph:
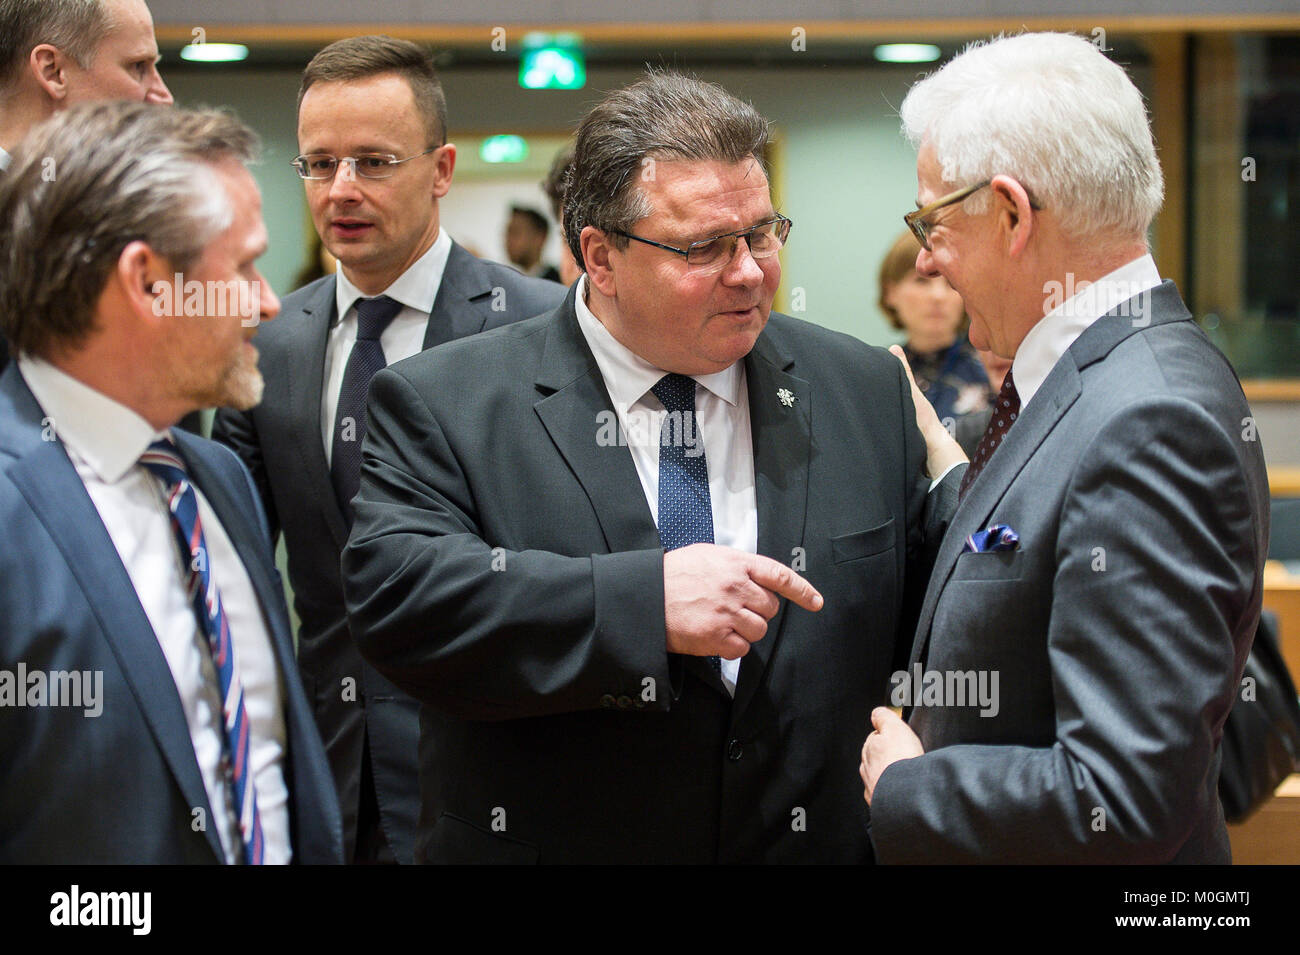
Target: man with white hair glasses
1104,567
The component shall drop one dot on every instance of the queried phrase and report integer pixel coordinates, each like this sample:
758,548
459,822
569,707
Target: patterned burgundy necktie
1006,408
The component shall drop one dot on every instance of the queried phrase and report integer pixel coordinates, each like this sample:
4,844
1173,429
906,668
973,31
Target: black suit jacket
505,570
122,786
280,441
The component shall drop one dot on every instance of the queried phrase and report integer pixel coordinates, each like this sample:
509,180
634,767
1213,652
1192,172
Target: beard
241,385
236,384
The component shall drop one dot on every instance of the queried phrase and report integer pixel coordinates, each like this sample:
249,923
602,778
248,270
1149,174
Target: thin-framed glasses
317,167
714,253
916,221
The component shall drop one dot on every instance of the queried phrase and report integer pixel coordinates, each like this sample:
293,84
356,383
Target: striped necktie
164,462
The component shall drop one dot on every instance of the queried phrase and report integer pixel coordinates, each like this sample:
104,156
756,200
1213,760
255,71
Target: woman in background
932,316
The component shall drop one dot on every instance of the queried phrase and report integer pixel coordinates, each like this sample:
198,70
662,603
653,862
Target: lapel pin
787,397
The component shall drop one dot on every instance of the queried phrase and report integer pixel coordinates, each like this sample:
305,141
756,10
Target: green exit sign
553,68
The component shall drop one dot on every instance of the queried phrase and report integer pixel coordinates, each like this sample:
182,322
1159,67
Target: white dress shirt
1052,337
6,160
722,416
104,440
416,289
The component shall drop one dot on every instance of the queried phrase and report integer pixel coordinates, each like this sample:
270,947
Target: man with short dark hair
526,234
375,163
150,709
58,53
576,535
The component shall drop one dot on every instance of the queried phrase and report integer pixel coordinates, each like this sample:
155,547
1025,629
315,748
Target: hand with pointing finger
717,600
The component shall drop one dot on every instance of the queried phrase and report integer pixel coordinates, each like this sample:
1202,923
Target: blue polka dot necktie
374,315
685,508
164,463
1006,408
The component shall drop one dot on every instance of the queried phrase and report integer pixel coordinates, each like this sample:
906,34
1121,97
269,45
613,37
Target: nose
268,302
743,269
925,263
343,186
158,94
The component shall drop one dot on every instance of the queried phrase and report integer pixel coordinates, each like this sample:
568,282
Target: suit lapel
782,437
47,479
305,403
573,399
1059,391
463,303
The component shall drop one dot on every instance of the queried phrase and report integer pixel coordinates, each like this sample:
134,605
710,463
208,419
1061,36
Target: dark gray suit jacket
280,441
505,570
122,786
1118,630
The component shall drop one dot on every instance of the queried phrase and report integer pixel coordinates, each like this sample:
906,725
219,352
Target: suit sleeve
237,430
476,631
1155,565
928,514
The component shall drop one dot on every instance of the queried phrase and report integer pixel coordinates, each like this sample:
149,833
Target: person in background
58,53
945,366
375,164
553,185
526,234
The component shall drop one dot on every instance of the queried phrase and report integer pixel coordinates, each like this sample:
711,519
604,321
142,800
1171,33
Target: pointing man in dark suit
149,706
1073,666
577,537
375,162
59,53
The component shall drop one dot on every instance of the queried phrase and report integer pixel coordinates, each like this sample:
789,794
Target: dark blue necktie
373,316
685,509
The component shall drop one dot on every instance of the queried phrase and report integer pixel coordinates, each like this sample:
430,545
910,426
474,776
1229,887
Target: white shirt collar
109,437
1053,335
628,376
6,160
415,288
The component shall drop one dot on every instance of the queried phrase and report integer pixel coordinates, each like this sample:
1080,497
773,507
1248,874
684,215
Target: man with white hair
1092,606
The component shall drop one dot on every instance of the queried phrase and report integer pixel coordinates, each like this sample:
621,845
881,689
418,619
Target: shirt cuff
939,480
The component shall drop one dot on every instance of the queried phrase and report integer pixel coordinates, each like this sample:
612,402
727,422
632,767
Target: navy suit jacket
280,441
123,786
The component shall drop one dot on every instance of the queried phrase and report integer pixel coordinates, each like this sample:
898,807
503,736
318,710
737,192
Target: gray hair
1051,111
74,26
87,183
665,116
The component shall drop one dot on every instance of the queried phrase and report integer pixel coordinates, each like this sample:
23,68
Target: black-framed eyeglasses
714,253
916,221
317,167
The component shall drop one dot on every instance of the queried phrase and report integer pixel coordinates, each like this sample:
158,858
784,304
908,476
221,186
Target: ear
444,166
145,282
49,66
598,256
1015,213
